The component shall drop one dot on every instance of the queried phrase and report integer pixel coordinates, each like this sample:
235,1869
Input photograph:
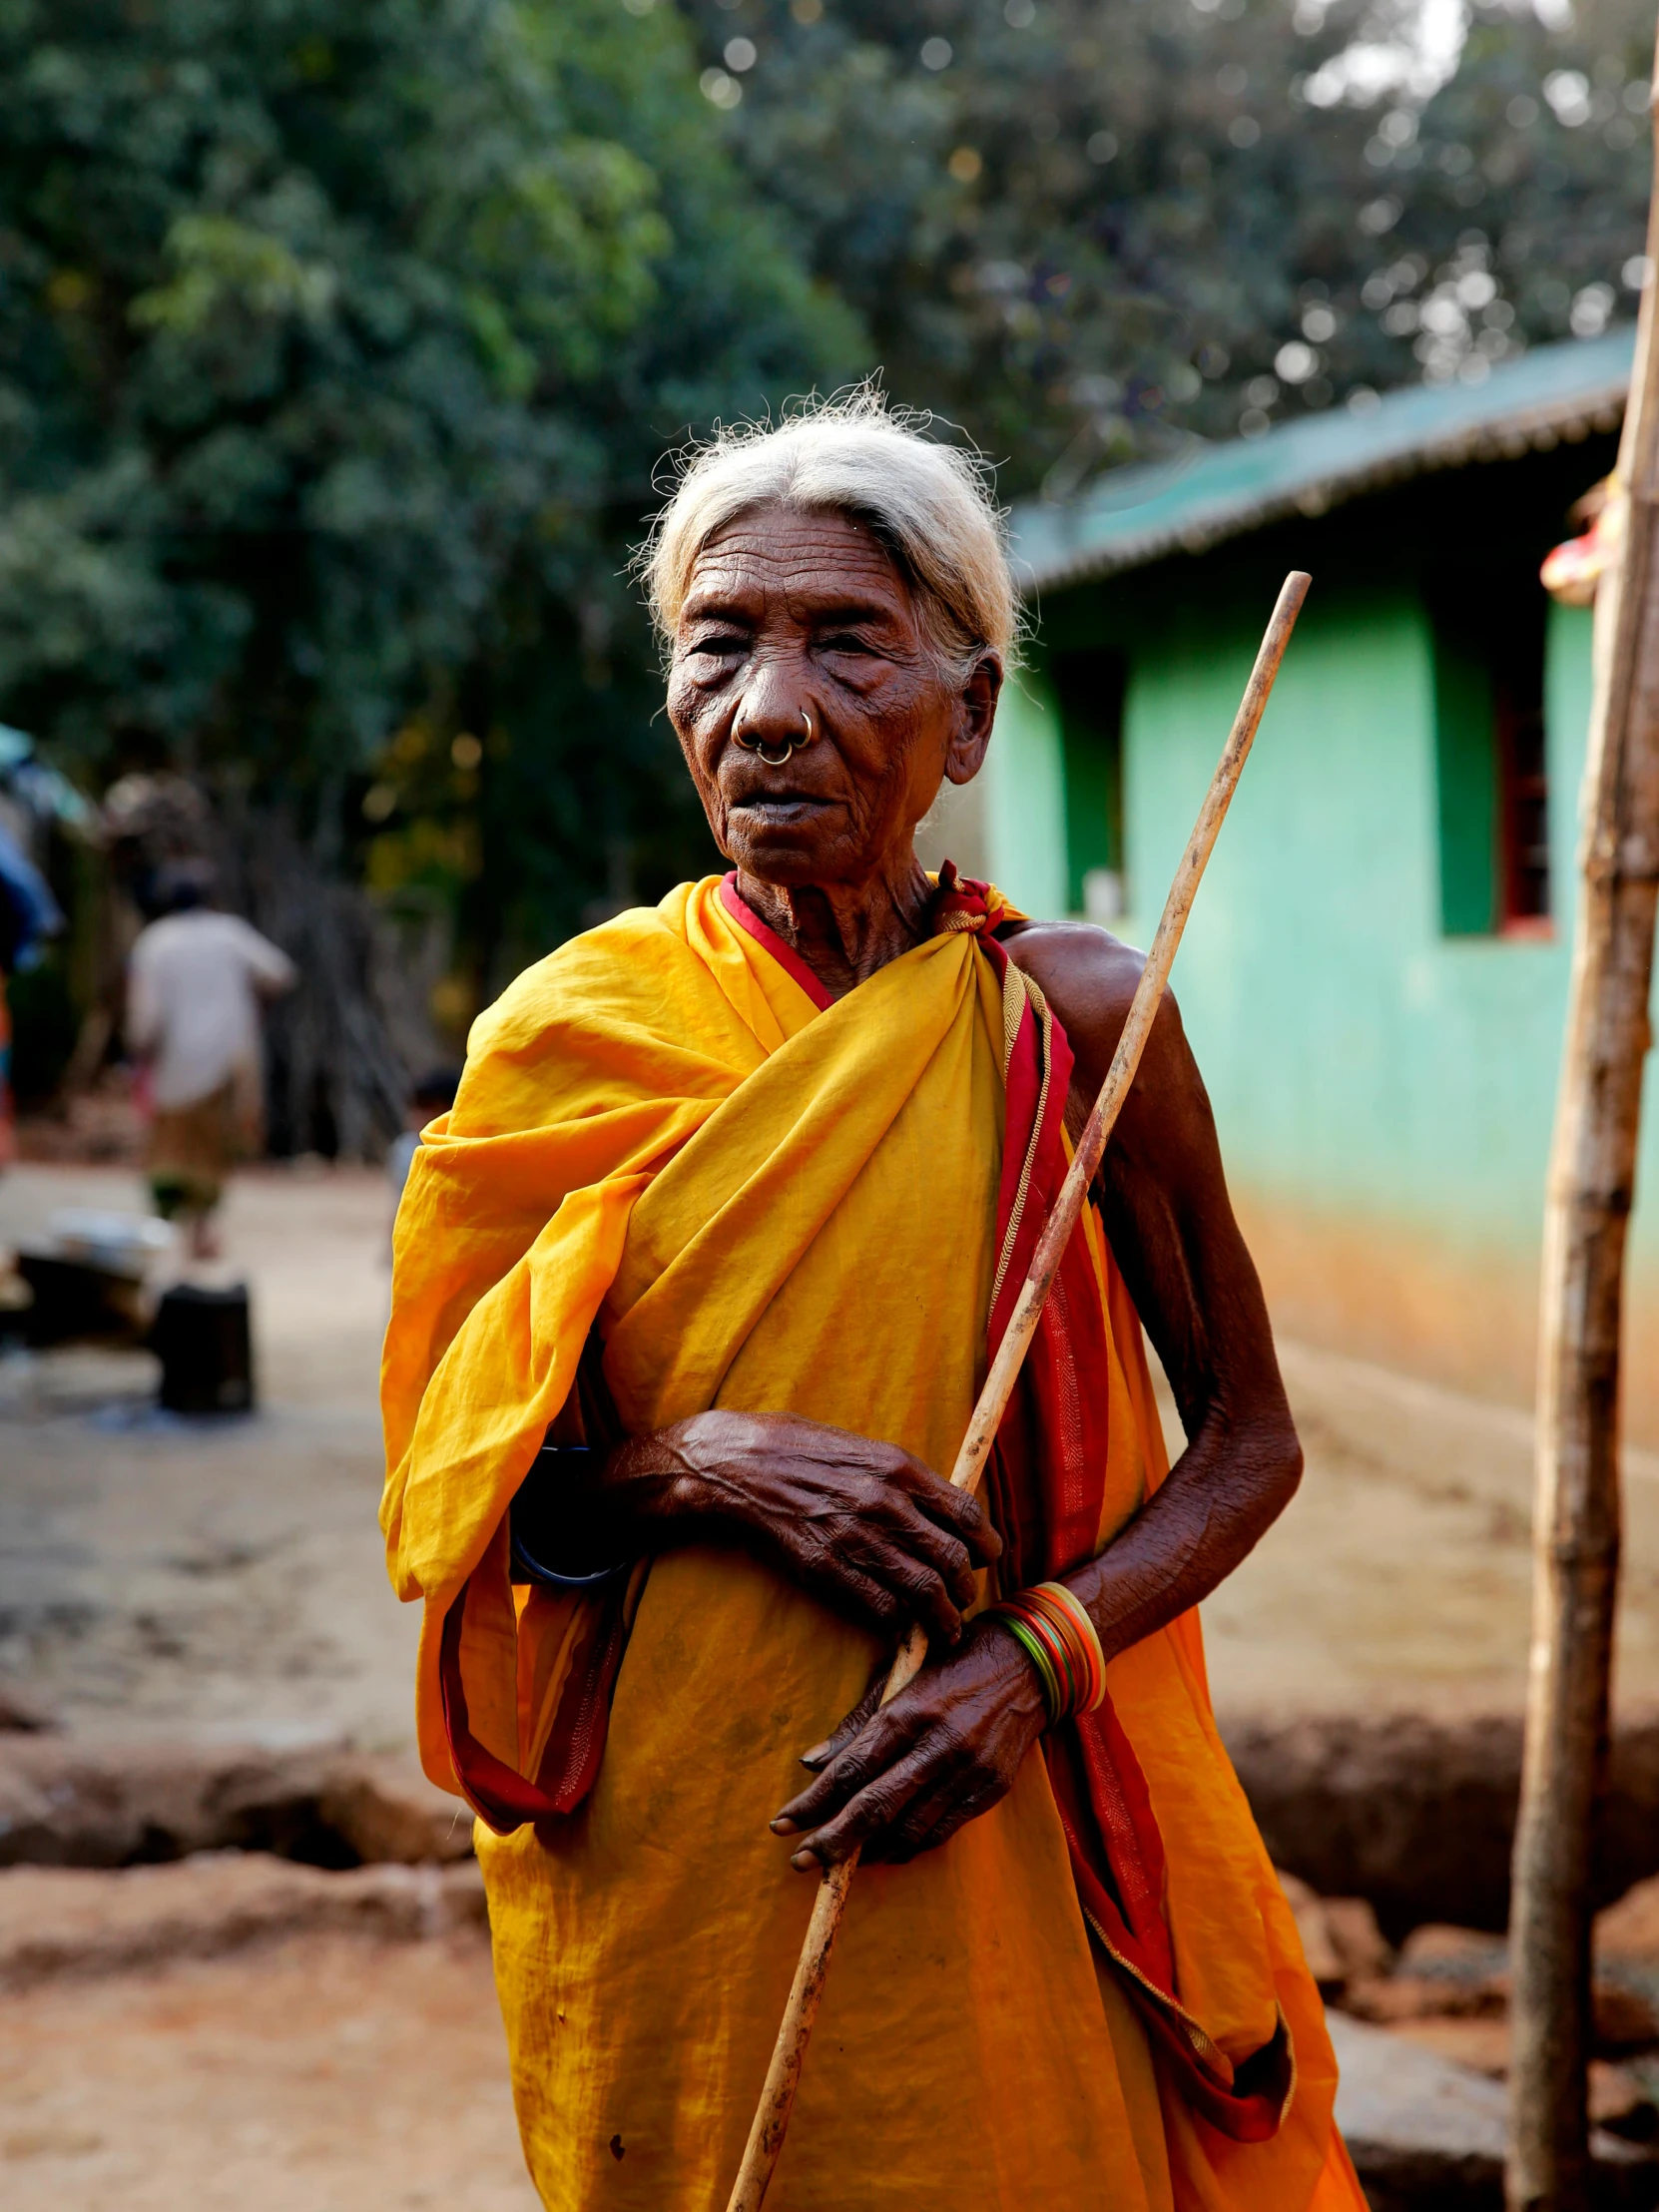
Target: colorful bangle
1052,1627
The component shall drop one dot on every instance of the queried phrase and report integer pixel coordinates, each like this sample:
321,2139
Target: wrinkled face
798,623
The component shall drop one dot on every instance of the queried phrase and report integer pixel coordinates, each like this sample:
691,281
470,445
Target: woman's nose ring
757,746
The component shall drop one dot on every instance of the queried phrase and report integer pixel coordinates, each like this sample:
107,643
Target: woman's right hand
862,1525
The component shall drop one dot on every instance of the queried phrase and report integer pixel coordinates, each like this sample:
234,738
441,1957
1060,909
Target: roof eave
1535,429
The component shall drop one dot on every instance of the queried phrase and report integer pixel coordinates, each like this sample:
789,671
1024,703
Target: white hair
931,506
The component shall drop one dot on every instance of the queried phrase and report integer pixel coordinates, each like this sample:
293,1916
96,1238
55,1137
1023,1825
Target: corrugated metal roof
1135,515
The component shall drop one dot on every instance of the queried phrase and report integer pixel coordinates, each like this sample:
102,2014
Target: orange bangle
1052,1627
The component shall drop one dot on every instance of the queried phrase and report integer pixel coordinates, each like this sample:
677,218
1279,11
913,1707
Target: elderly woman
695,1287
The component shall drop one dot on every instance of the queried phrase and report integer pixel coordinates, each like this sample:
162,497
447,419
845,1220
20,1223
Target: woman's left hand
902,1779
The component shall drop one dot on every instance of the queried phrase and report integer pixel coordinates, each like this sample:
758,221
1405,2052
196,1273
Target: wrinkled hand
862,1524
902,1779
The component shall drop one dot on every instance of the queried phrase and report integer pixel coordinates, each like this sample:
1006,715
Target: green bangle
1033,1650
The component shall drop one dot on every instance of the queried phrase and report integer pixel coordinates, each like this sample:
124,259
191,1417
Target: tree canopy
1087,227
337,340
340,338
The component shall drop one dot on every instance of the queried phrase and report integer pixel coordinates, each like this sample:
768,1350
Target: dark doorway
1089,689
1491,761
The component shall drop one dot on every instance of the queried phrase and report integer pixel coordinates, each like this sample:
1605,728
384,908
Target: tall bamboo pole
1588,1197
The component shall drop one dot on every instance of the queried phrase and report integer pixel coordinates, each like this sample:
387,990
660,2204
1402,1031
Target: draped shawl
667,1133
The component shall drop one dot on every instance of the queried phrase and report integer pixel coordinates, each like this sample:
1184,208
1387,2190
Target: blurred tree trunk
335,1082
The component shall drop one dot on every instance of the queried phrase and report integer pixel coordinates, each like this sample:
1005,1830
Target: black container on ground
203,1340
77,1301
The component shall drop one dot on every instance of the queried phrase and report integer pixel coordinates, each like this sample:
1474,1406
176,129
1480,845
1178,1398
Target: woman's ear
975,713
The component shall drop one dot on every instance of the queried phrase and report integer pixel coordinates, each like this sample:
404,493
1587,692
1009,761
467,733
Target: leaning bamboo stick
1591,1180
771,2117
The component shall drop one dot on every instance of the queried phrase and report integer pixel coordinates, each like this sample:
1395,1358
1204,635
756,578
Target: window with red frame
1491,757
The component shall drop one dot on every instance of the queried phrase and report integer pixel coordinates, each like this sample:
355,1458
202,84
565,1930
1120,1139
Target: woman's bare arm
1172,1231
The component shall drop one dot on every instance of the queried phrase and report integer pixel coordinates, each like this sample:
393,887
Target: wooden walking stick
771,2117
1593,1173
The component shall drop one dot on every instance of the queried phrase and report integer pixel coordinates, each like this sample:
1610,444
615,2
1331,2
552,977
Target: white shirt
193,999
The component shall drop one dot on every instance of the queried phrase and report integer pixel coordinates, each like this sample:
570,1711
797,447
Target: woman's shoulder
1089,978
615,973
1088,974
638,976
593,1027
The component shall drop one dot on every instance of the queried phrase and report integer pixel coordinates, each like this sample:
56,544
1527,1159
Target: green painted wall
1363,1049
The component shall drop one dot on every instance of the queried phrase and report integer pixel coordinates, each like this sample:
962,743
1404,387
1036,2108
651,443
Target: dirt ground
1400,1577
332,2074
211,1577
224,1580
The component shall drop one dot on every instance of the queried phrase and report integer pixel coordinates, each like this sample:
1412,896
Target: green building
1375,974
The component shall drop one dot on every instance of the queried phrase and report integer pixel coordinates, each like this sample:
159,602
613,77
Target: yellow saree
767,1203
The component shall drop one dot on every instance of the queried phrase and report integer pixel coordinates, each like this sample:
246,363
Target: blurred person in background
29,914
194,989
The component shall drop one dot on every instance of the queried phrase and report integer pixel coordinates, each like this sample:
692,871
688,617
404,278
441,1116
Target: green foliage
1532,166
338,340
1095,226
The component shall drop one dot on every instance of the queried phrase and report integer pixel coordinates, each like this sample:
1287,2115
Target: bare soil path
220,1577
1399,1579
332,2074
